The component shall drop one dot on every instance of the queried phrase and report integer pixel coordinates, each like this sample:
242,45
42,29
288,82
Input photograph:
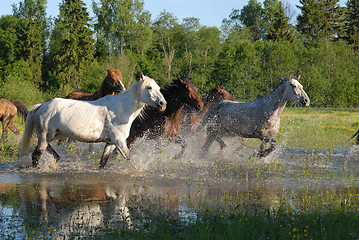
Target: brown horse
8,111
110,85
167,123
190,118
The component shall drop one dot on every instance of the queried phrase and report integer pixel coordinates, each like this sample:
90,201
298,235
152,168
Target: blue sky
209,12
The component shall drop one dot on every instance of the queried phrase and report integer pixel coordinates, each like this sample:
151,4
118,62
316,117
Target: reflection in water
79,205
74,203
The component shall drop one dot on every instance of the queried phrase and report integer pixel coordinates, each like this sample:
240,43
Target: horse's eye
149,87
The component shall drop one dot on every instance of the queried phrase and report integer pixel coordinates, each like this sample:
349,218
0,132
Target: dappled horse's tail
357,137
29,129
21,109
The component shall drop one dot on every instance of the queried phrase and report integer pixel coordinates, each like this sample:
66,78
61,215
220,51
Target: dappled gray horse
257,119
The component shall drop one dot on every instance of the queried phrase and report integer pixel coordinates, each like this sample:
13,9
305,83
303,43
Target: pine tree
332,25
352,23
279,27
320,18
71,43
310,20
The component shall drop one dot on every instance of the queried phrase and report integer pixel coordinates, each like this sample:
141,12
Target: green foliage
279,28
352,23
71,44
123,24
239,57
15,85
320,19
8,40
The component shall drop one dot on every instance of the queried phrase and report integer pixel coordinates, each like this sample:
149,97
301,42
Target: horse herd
118,117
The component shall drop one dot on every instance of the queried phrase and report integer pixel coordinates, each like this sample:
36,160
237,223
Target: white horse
107,119
257,119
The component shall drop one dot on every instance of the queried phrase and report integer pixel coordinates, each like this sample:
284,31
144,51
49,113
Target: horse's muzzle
162,105
305,102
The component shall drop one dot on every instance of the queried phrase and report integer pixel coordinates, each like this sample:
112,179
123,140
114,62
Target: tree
310,20
8,40
332,25
71,44
123,24
320,18
165,28
352,23
279,28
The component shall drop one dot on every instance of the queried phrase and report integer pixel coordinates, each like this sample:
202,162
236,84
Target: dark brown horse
167,123
191,118
110,85
8,111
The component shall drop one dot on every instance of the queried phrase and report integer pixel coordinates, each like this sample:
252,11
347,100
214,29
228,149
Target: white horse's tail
29,129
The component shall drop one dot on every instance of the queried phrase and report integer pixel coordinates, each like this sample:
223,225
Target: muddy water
74,198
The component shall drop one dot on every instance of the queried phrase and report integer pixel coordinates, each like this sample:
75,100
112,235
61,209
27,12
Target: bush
15,89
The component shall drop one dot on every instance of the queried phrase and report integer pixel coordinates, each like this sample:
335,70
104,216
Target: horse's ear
298,77
108,70
218,87
142,76
291,76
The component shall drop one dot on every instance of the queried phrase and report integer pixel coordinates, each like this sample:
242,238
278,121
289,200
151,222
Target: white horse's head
150,93
296,93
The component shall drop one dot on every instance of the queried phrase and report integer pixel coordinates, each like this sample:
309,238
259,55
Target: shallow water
74,198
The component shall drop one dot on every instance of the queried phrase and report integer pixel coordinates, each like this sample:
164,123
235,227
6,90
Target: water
74,198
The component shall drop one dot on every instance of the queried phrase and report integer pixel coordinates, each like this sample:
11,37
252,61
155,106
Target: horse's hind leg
183,147
4,132
222,145
13,128
5,125
209,140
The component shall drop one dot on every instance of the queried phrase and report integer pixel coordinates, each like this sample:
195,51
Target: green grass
317,128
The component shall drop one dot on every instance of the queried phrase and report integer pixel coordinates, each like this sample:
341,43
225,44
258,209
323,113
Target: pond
72,198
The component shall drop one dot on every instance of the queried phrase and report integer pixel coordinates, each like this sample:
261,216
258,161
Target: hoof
225,148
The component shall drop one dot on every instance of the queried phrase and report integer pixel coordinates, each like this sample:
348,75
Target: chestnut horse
191,118
167,124
8,110
110,85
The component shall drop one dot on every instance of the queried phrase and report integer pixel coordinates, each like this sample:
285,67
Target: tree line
254,49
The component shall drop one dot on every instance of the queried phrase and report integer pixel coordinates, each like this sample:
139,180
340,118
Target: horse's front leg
264,150
106,154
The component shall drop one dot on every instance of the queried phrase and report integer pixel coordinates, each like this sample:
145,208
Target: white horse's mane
138,88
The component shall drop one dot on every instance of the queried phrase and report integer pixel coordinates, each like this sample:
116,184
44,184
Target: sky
209,12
